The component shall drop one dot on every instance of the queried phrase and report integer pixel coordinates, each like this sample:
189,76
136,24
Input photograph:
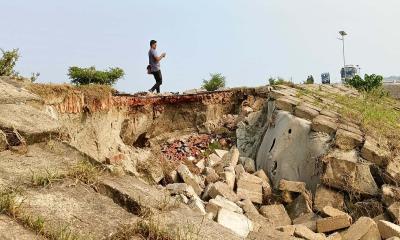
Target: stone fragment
220,188
334,236
309,220
325,124
351,128
181,188
277,214
325,196
201,165
330,224
229,178
188,178
239,169
213,159
172,176
390,194
306,233
249,165
393,169
292,186
220,153
306,112
375,152
261,174
231,159
349,176
252,213
346,140
286,103
364,228
388,229
220,202
250,186
300,206
211,175
394,211
288,229
333,212
238,223
197,205
3,141
329,113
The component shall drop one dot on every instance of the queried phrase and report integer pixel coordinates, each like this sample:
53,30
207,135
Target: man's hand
163,55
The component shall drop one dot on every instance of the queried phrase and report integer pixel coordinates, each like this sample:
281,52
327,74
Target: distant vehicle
349,71
326,78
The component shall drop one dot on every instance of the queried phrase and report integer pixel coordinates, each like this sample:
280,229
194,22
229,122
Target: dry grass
85,172
60,91
46,179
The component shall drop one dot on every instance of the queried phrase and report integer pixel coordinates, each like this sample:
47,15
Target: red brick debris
194,146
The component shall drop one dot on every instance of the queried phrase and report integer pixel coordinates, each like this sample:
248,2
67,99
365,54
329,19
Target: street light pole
343,33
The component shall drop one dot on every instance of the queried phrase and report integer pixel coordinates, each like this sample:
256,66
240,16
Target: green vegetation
83,76
8,61
367,84
310,80
86,172
279,81
8,201
44,180
215,82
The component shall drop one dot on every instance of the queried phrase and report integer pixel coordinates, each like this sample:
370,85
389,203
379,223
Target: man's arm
158,58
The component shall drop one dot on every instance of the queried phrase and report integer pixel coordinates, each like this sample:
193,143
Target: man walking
154,65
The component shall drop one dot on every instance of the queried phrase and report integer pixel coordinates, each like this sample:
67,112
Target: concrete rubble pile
351,193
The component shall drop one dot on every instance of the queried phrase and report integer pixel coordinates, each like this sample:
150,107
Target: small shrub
279,81
367,84
8,61
82,76
34,77
310,80
216,81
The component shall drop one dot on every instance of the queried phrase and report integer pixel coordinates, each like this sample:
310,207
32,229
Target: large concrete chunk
330,224
393,169
250,186
84,211
365,228
11,230
292,186
277,214
300,206
287,103
181,188
220,188
325,124
305,233
388,229
390,194
350,176
309,220
188,178
33,124
347,140
12,94
219,202
394,211
238,223
306,112
325,196
375,152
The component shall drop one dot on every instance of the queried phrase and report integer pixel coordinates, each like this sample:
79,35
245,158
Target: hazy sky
246,40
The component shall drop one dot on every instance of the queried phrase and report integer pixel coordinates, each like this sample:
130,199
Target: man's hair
152,42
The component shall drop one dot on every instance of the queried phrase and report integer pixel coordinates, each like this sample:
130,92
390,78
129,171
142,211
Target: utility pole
342,34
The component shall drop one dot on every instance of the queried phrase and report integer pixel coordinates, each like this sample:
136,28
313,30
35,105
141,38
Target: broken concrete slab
375,151
349,176
250,186
306,233
211,175
333,212
238,223
347,126
325,124
277,214
346,140
300,206
287,103
213,159
197,205
220,153
188,178
306,112
388,229
394,211
325,196
215,204
10,230
364,228
390,194
309,220
393,169
181,188
334,223
13,94
334,236
220,188
249,165
33,124
289,229
77,206
232,158
292,186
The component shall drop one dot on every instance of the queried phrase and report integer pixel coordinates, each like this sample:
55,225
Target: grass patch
44,180
85,172
8,201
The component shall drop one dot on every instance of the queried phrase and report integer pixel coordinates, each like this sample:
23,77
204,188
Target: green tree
310,80
215,82
8,61
82,76
369,83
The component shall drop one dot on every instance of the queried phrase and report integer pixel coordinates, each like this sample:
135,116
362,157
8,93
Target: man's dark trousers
158,77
